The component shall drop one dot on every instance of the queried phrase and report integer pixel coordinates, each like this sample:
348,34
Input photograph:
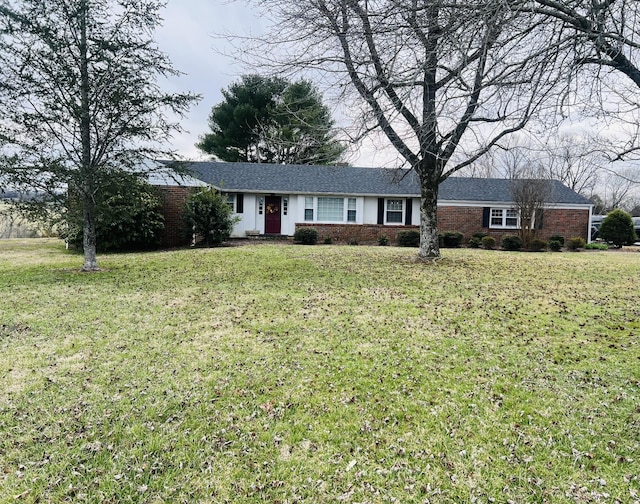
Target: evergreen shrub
305,236
409,238
511,242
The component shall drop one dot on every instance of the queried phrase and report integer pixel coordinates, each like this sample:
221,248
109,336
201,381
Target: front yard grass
281,374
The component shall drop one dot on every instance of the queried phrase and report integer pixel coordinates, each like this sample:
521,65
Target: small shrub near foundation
305,236
575,243
511,242
409,238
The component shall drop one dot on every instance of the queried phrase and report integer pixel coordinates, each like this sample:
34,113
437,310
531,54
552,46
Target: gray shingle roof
340,180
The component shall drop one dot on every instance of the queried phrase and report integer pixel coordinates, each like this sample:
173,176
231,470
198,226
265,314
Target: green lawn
279,374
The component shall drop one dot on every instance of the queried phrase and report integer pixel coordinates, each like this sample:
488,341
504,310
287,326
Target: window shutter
486,211
239,203
539,222
380,210
408,214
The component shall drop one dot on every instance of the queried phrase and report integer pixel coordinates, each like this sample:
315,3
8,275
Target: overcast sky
187,36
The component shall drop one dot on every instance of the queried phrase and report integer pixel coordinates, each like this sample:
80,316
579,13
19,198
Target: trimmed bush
383,240
617,228
305,236
596,246
538,245
409,238
557,237
328,240
575,243
209,216
556,245
451,239
475,242
488,242
511,242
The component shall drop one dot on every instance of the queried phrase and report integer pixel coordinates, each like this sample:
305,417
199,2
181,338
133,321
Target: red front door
272,213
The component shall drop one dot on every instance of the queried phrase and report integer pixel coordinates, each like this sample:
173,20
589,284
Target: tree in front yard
128,215
617,228
79,98
210,217
272,120
443,81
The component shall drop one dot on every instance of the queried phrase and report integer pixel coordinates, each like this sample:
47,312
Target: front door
272,213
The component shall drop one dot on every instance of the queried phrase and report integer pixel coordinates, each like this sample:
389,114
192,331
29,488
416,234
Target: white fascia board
507,204
321,194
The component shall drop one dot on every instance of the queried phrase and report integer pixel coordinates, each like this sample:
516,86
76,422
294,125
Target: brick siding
173,199
466,220
359,233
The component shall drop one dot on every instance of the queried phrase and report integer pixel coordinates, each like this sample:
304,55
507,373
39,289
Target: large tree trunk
89,237
429,246
88,207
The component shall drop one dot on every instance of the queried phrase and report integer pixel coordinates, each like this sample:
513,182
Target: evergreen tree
79,97
617,228
271,120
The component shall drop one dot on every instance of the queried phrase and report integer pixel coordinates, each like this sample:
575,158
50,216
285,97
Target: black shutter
408,214
380,210
539,222
239,203
486,211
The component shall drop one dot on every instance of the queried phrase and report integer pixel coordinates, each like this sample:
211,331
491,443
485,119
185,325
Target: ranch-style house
361,204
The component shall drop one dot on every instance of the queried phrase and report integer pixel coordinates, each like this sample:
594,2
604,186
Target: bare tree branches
444,81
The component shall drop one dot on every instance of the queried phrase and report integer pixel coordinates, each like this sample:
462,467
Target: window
285,206
351,210
308,209
394,212
504,218
231,201
235,201
331,209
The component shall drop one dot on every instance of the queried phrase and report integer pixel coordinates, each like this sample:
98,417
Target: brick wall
173,199
467,220
360,233
568,223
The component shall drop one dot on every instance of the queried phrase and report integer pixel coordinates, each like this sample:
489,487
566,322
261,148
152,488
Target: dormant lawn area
278,373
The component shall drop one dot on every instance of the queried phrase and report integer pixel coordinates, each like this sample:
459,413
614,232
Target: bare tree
572,160
519,160
618,188
531,192
444,81
599,33
601,43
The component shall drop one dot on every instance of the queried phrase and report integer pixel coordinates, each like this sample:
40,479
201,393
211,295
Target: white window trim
345,210
404,211
504,218
231,200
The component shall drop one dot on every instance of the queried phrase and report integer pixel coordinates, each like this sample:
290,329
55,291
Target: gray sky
187,36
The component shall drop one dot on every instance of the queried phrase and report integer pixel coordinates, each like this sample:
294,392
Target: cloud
187,36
